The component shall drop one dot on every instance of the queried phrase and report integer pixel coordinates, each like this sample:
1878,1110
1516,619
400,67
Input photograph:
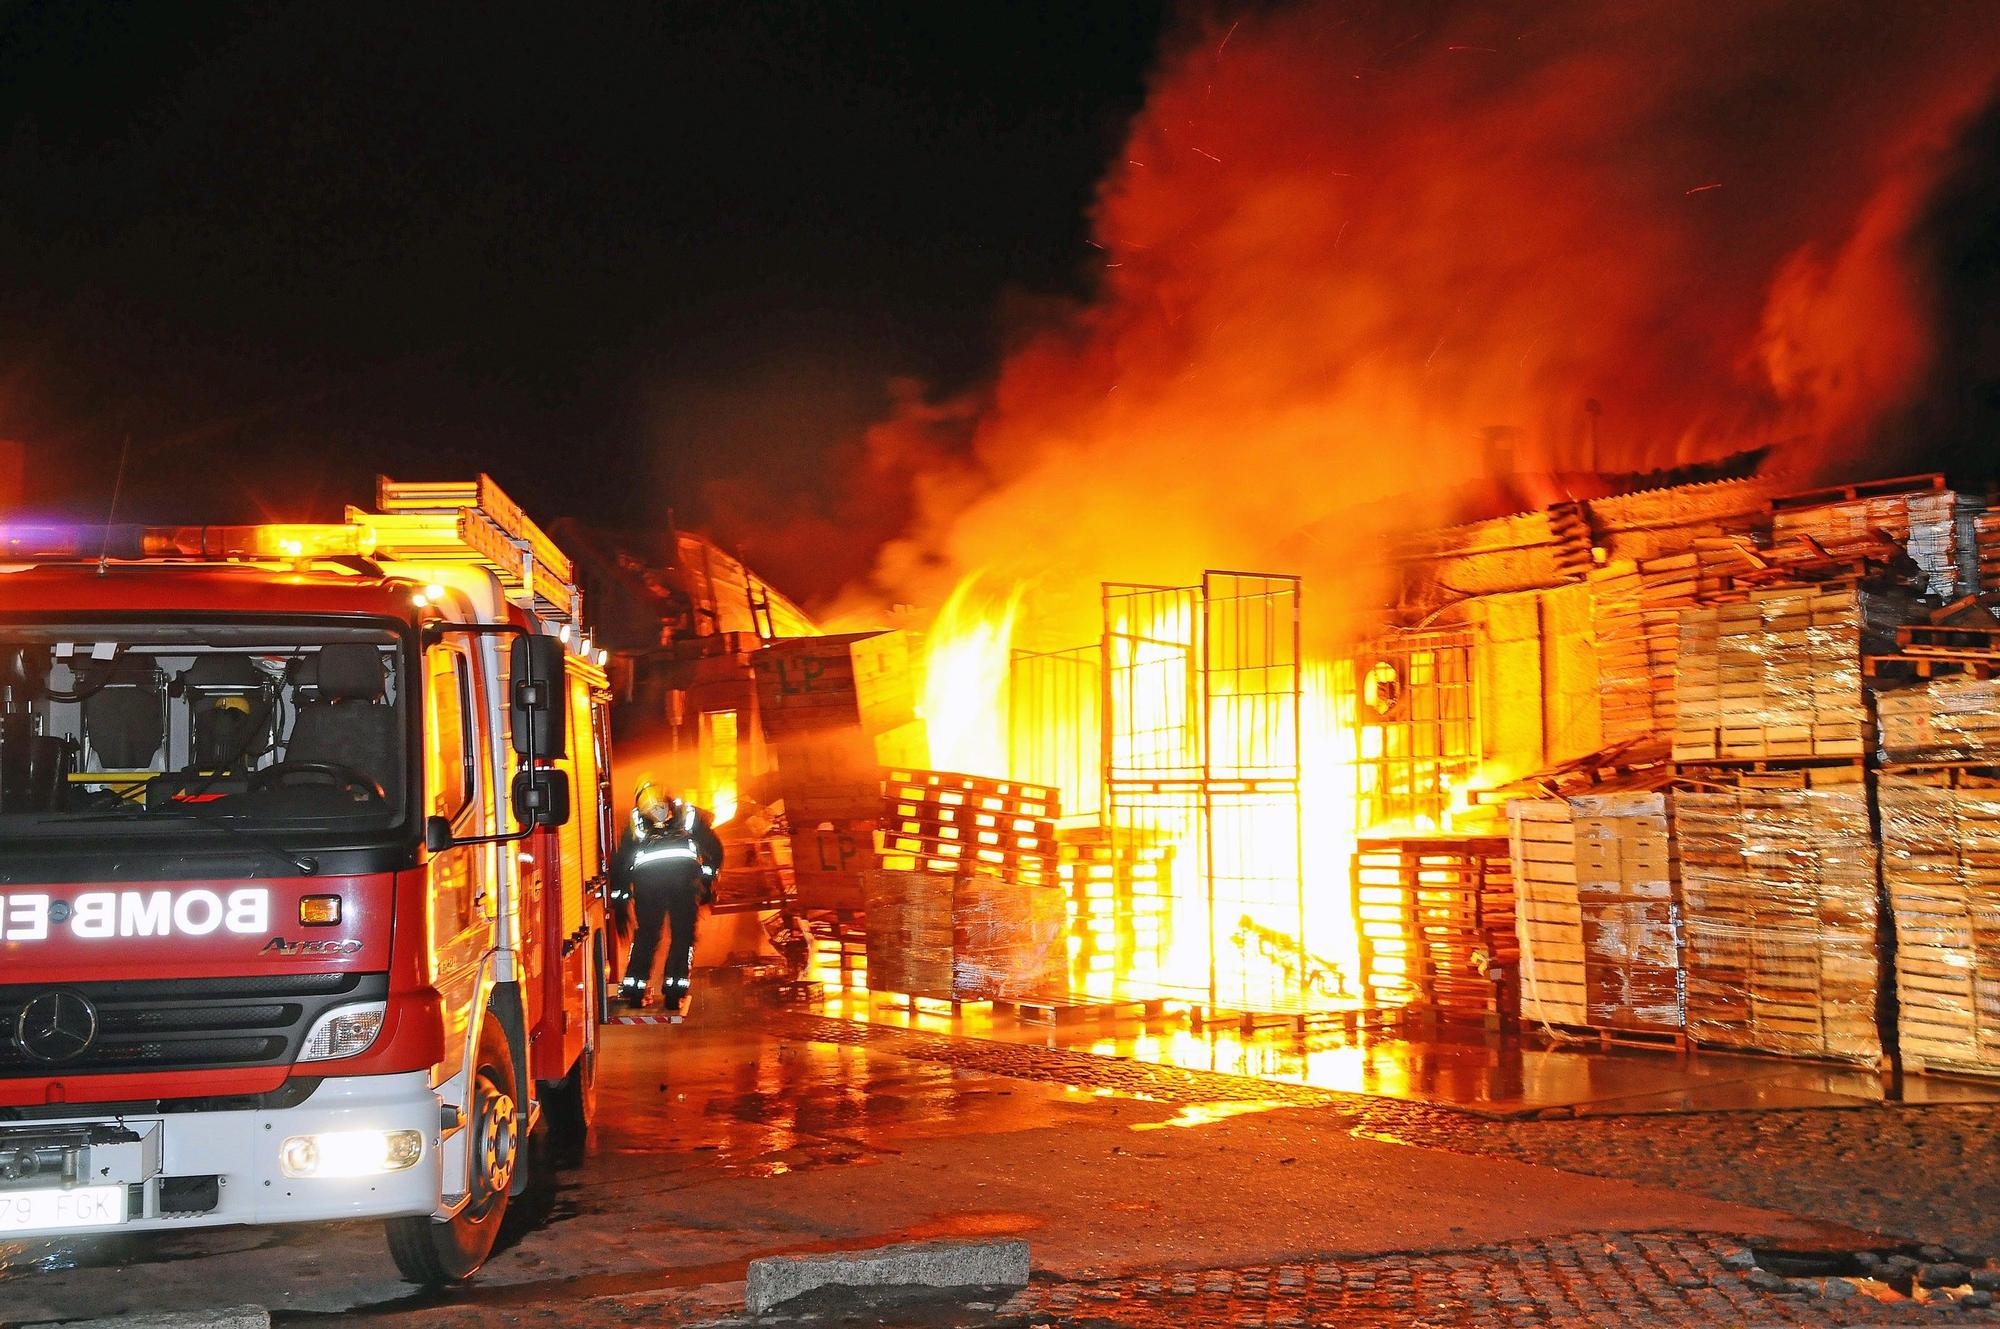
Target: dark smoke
1953,424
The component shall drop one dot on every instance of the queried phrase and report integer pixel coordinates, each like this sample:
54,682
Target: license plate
80,1206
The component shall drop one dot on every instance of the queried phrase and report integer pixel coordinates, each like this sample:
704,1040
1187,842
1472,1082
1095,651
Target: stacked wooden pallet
1777,675
1635,611
1120,902
1780,894
1986,544
963,936
1918,514
827,705
1445,906
1624,676
1941,863
1548,919
1599,913
1952,718
943,821
971,905
827,863
1390,973
1628,898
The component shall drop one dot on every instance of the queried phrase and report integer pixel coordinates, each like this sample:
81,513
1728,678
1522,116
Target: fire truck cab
303,840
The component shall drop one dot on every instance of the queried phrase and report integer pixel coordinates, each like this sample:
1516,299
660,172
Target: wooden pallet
1847,493
954,788
1946,641
1910,667
1606,1038
1918,1064
1077,1009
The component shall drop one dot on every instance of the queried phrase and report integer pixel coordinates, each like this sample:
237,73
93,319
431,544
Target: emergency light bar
276,541
459,522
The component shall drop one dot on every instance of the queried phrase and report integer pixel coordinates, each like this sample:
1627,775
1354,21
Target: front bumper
239,1150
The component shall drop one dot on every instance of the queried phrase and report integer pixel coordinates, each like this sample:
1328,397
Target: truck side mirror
437,834
540,703
541,797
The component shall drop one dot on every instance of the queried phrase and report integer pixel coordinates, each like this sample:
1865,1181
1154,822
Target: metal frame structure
1416,718
1054,705
1202,712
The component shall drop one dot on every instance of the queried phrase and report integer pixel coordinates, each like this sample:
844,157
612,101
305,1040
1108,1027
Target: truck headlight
346,1031
350,1153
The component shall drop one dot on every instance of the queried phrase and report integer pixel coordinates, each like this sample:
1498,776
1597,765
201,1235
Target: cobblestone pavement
1926,1173
1582,1282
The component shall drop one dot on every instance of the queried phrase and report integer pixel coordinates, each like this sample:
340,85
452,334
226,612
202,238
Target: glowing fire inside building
1519,793
1392,587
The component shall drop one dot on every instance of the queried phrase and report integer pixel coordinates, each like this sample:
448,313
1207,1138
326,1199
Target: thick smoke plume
1366,270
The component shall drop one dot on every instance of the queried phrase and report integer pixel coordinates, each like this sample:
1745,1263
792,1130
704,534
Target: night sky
607,255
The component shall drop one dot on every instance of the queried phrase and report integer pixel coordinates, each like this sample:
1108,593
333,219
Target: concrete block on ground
777,1279
228,1317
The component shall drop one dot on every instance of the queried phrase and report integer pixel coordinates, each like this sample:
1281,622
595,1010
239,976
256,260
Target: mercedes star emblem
56,1026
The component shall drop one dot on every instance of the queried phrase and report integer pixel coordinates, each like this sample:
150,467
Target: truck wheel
432,1253
572,1106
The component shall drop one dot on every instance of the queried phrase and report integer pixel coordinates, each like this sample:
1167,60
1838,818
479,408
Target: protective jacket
663,874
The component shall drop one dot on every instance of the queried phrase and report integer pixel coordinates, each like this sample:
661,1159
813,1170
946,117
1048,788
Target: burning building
1439,365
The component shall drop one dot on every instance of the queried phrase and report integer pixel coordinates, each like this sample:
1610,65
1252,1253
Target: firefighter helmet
654,806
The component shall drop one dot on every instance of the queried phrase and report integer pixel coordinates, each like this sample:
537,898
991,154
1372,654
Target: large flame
967,656
1366,267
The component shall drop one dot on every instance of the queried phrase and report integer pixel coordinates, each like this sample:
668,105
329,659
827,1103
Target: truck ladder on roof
473,522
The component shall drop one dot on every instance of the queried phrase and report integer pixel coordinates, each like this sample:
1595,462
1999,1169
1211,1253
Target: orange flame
967,655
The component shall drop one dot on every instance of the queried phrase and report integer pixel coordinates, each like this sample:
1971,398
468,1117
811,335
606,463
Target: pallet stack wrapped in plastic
1779,886
1776,675
1986,547
1939,799
1941,719
1941,863
1548,920
966,905
1628,897
1599,913
1932,524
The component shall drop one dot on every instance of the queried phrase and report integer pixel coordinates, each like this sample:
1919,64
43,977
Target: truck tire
432,1253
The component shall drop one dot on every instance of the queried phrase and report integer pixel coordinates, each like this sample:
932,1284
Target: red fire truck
303,839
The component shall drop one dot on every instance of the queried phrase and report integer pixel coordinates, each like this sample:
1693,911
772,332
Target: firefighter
665,871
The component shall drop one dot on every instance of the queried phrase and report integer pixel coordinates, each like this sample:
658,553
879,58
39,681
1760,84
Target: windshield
194,729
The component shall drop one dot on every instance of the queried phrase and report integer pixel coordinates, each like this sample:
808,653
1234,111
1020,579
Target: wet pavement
1537,1074
765,1132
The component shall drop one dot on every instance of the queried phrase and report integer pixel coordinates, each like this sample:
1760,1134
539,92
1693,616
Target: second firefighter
665,871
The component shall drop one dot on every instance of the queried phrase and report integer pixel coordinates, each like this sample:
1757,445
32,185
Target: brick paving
1921,1173
1918,1174
1580,1282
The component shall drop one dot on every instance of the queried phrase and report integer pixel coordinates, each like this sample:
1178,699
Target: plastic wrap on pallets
1779,675
1941,864
1953,718
1008,939
965,937
909,930
1547,918
1926,523
1779,889
1628,900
